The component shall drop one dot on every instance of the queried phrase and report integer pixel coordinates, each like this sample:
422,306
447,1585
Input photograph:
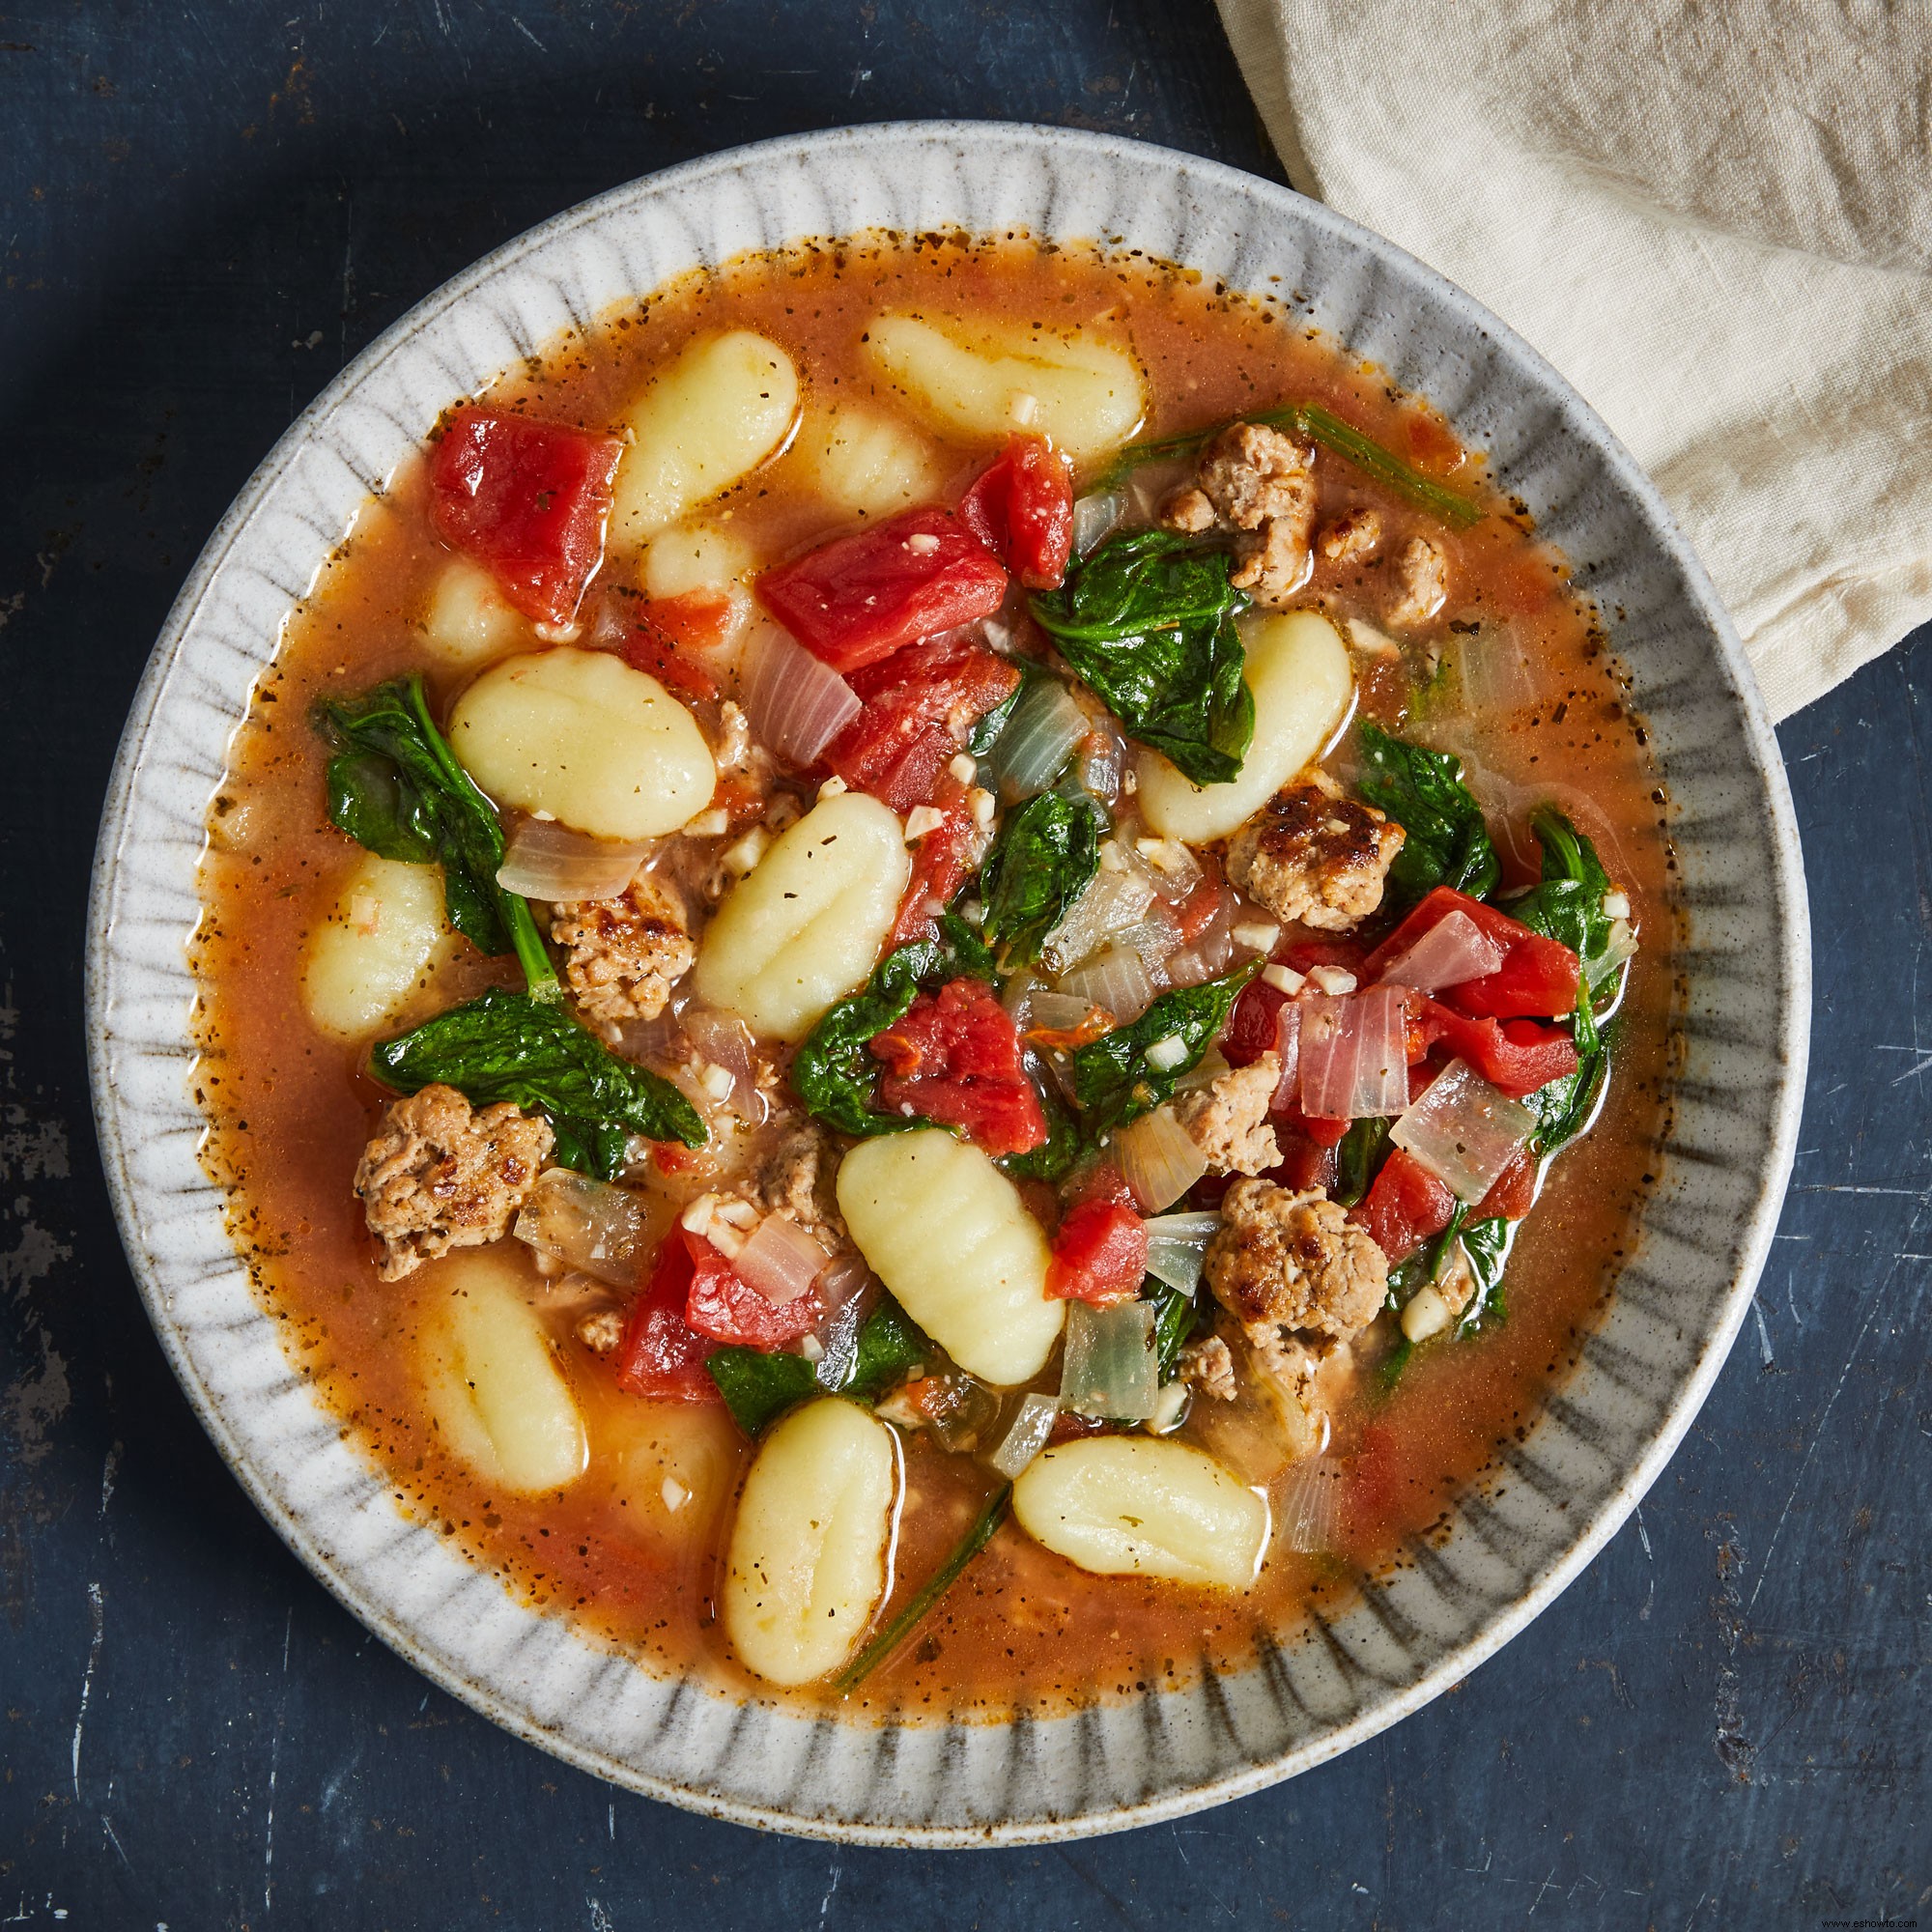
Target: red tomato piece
1305,1161
956,1059
1250,1030
1195,914
529,501
1513,1194
1303,955
1022,507
729,1310
1537,978
940,864
920,705
1099,1254
1100,1181
861,598
1405,1207
662,1355
656,644
1515,1055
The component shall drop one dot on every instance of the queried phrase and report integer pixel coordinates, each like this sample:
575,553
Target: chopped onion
961,1411
1026,1434
1310,1507
1176,870
1155,938
796,705
1177,1248
1114,900
1022,989
1465,1131
781,1260
1496,670
1454,950
588,1225
1060,1013
1287,1044
1093,517
723,1040
1110,1367
1117,981
1354,1054
1159,1159
547,861
1039,738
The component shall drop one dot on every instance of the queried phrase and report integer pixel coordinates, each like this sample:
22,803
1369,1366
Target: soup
937,975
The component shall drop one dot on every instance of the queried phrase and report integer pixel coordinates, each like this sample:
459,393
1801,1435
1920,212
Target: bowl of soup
948,985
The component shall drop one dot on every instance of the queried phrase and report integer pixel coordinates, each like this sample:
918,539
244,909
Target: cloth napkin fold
1714,216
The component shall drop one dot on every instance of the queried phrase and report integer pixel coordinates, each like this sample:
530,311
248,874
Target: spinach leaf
1359,1157
963,953
508,1046
1388,1371
395,785
1113,1080
758,1387
1064,1143
986,729
1176,1316
1566,1107
1448,842
1567,904
1425,1265
1041,862
1487,1244
1148,621
833,1073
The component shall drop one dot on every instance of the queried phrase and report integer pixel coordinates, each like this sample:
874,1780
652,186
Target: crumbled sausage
1354,534
439,1175
1208,1365
625,954
795,1178
1422,579
1285,1260
602,1330
1227,1120
1259,484
1311,854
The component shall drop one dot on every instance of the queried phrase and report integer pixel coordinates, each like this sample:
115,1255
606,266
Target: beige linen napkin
1714,217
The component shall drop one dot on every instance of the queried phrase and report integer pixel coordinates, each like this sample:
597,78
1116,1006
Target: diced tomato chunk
1099,1254
662,635
1405,1207
1251,1027
1099,1181
529,501
1303,955
1305,1162
725,1308
1196,913
662,1355
941,863
1517,1057
1536,980
956,1059
1021,506
920,705
1513,1194
861,598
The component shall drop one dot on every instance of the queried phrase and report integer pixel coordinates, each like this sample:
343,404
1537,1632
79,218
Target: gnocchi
1298,668
501,1403
804,926
947,1233
582,737
1144,1506
695,558
725,405
812,1547
469,621
378,943
1084,392
867,462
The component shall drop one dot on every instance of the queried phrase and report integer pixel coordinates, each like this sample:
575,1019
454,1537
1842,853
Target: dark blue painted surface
204,211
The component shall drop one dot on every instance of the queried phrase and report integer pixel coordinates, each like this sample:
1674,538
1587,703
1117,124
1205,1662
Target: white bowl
1522,1532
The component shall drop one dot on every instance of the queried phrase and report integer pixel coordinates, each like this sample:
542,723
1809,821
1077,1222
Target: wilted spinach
1448,842
1175,1315
1148,621
758,1387
833,1073
1567,904
1113,1080
1359,1157
1046,853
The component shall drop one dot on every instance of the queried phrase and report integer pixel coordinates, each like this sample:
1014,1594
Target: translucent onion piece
781,1260
549,861
961,1411
1176,870
796,705
724,1040
848,1291
1026,1434
1060,1013
1465,1131
1022,989
1115,980
1153,938
1110,1367
1495,672
1093,518
1287,1044
1158,1160
1454,950
1354,1054
1177,1248
1039,738
1309,1508
1112,902
588,1225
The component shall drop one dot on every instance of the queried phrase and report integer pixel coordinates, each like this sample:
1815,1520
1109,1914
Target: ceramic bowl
1522,1533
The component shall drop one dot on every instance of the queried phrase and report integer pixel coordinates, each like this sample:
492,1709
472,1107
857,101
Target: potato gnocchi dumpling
469,621
491,1378
867,462
1079,389
723,407
947,1233
380,941
1298,668
675,1464
1143,1506
810,1548
695,558
581,737
804,928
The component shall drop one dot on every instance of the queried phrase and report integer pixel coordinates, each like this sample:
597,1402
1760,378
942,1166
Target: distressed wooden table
205,210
